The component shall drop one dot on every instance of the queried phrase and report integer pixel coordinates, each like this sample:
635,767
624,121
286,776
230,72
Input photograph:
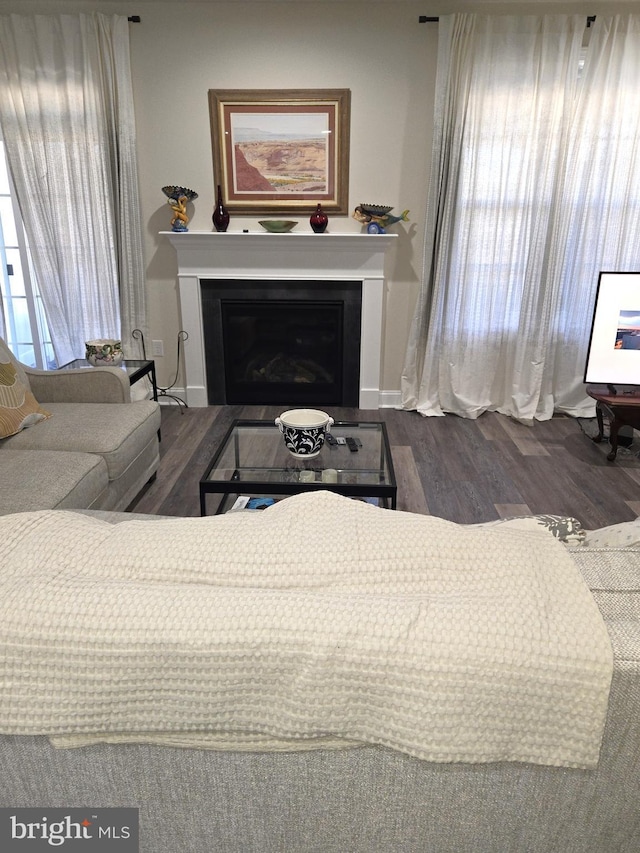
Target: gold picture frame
281,151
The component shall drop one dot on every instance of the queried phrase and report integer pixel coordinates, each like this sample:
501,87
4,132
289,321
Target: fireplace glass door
283,350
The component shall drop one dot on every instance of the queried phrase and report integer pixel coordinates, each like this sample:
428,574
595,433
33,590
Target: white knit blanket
319,621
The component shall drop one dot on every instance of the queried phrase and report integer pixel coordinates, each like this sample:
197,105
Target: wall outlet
157,348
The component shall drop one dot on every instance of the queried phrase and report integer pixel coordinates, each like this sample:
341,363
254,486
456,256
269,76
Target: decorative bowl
177,192
278,226
376,209
304,430
104,352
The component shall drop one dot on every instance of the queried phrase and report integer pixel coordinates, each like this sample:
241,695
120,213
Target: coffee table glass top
253,459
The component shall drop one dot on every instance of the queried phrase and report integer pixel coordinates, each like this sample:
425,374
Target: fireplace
340,276
293,343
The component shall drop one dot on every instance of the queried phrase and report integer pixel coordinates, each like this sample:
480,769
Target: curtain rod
134,19
425,19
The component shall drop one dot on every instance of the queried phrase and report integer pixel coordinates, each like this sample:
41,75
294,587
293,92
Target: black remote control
331,440
351,444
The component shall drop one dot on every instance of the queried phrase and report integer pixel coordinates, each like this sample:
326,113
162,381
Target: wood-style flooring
462,470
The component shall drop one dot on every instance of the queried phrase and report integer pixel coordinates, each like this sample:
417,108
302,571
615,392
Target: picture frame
613,356
281,151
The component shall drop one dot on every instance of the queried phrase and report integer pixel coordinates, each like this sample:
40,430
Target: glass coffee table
252,461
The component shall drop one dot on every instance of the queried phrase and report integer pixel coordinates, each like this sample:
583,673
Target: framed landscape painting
278,151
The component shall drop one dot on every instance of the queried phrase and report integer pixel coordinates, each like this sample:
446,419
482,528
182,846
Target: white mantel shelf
293,251
240,255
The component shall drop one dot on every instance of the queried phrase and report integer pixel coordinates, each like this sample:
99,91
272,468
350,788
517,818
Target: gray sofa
371,799
96,451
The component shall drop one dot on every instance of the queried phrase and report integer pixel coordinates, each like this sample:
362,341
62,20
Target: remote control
330,439
351,444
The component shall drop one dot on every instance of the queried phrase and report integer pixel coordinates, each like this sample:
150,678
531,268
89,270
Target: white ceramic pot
104,352
304,431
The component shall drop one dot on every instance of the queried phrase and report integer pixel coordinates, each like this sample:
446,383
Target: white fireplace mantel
244,256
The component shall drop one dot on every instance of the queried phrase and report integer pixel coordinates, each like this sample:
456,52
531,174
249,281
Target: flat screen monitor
614,348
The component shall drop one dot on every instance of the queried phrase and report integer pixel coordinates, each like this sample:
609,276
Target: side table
621,409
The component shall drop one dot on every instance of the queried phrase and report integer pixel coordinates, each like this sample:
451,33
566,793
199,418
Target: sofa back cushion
18,407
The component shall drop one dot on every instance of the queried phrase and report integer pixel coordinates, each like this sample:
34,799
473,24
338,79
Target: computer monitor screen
614,348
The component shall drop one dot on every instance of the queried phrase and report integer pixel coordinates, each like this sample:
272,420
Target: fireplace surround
276,262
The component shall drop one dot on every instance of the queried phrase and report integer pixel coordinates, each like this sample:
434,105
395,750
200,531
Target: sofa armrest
98,385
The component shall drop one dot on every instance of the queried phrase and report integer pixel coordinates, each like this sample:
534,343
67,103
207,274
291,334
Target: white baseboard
390,400
167,401
386,399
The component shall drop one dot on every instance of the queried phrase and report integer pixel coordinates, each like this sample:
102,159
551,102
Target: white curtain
597,224
515,235
66,110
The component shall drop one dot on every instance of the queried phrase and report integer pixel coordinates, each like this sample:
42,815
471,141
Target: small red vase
220,213
319,220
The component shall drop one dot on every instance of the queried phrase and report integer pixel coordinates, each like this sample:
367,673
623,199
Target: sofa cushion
50,479
18,407
613,576
116,431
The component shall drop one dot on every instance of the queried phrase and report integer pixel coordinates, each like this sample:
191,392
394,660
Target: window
25,324
525,169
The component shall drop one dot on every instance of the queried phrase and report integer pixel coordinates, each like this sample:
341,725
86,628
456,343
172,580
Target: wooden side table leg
598,438
614,426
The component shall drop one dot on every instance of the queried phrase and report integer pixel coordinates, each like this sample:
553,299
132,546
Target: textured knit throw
320,621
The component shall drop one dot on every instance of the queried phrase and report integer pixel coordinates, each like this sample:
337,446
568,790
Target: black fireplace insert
293,343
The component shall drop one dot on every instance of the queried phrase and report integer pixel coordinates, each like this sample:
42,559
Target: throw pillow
565,528
623,535
18,407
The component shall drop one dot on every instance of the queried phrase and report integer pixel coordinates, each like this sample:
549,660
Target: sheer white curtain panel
503,318
66,110
597,225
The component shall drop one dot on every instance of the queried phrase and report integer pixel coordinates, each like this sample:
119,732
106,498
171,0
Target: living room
117,607
332,46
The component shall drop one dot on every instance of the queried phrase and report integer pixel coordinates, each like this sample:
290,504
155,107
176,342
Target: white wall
378,50
382,54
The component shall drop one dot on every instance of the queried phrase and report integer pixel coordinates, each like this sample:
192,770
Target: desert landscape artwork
281,151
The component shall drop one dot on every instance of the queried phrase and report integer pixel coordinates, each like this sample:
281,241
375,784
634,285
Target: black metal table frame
384,491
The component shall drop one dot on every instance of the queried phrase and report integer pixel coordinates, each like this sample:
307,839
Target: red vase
319,220
220,213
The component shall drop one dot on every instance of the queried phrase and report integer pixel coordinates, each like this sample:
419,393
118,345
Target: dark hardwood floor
465,471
